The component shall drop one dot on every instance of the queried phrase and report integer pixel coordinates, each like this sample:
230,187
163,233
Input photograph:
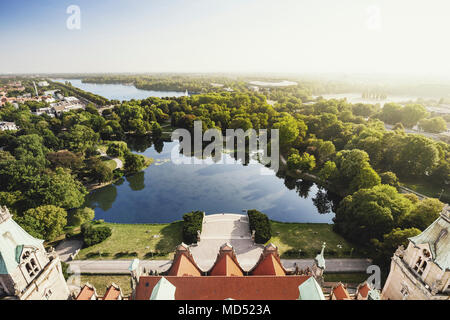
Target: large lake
120,91
165,191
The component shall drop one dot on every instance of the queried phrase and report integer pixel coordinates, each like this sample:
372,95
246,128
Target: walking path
121,266
119,163
68,247
219,229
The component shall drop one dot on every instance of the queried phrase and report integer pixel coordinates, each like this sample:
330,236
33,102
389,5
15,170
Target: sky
296,36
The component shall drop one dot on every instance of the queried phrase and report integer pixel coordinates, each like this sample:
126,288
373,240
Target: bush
93,235
260,223
80,216
192,222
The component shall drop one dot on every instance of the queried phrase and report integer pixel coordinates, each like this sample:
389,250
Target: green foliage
259,222
46,222
423,214
117,149
134,162
389,178
304,162
80,216
94,235
371,213
192,222
433,125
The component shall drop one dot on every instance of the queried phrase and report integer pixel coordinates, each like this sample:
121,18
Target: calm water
120,91
165,191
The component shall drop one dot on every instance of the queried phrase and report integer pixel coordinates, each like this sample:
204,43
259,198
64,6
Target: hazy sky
354,36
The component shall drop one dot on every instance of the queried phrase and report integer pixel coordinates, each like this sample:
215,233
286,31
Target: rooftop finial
4,214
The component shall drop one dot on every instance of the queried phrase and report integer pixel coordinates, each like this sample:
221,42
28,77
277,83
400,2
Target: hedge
260,223
192,222
93,235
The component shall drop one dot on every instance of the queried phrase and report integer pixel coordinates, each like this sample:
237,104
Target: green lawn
429,190
346,277
101,282
143,241
110,163
308,237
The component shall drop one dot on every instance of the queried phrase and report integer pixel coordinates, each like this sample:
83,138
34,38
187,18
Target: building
88,292
27,271
43,84
8,126
422,270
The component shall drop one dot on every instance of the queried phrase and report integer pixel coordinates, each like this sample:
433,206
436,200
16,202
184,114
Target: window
31,266
421,264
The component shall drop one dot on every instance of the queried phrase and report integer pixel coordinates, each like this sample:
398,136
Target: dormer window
31,266
421,264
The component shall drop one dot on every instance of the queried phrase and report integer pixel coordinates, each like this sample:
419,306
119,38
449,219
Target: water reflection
165,191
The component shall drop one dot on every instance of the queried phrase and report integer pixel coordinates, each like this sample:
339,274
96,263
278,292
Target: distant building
27,271
422,270
43,84
8,126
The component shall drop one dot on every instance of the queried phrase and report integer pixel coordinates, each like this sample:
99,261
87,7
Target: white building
43,84
5,125
422,270
27,271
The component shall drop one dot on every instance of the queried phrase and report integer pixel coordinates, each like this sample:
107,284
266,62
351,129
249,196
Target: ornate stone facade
422,270
27,271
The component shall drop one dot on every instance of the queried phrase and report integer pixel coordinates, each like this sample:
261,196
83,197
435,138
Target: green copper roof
12,240
310,290
373,295
438,238
163,290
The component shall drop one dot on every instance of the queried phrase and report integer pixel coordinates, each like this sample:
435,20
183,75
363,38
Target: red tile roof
223,287
340,292
226,263
269,263
86,292
112,293
363,290
184,265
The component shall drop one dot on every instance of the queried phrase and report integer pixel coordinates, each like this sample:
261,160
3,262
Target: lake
165,191
119,91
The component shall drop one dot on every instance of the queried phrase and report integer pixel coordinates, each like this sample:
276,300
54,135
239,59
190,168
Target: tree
412,113
371,213
418,156
288,130
389,178
433,125
99,171
423,214
80,216
117,149
134,162
80,138
328,170
304,162
46,222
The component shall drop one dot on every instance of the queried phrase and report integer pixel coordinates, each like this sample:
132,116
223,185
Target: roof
113,292
374,295
269,265
226,266
184,266
438,239
340,292
86,292
363,290
12,240
163,290
310,290
222,287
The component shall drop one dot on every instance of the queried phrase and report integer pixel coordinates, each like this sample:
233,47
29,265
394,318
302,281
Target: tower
422,270
27,271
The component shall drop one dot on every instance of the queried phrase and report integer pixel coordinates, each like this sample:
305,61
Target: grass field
308,237
143,241
345,277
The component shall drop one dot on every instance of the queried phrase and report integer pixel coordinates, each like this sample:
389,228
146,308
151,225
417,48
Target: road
121,266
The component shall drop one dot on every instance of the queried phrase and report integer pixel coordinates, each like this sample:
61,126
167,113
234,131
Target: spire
164,290
320,258
4,214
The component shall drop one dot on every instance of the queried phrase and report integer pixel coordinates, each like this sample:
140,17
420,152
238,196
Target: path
119,163
67,247
121,266
219,229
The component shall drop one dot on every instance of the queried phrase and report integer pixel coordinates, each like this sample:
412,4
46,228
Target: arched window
31,266
421,264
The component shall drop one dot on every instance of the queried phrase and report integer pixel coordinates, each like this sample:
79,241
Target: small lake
165,191
119,91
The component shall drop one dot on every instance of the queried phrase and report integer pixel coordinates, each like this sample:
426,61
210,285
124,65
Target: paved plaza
222,228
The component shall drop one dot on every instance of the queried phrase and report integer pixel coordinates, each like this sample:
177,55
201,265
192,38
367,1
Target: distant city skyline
287,36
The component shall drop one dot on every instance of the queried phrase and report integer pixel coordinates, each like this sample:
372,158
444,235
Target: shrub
80,216
192,222
260,223
93,235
